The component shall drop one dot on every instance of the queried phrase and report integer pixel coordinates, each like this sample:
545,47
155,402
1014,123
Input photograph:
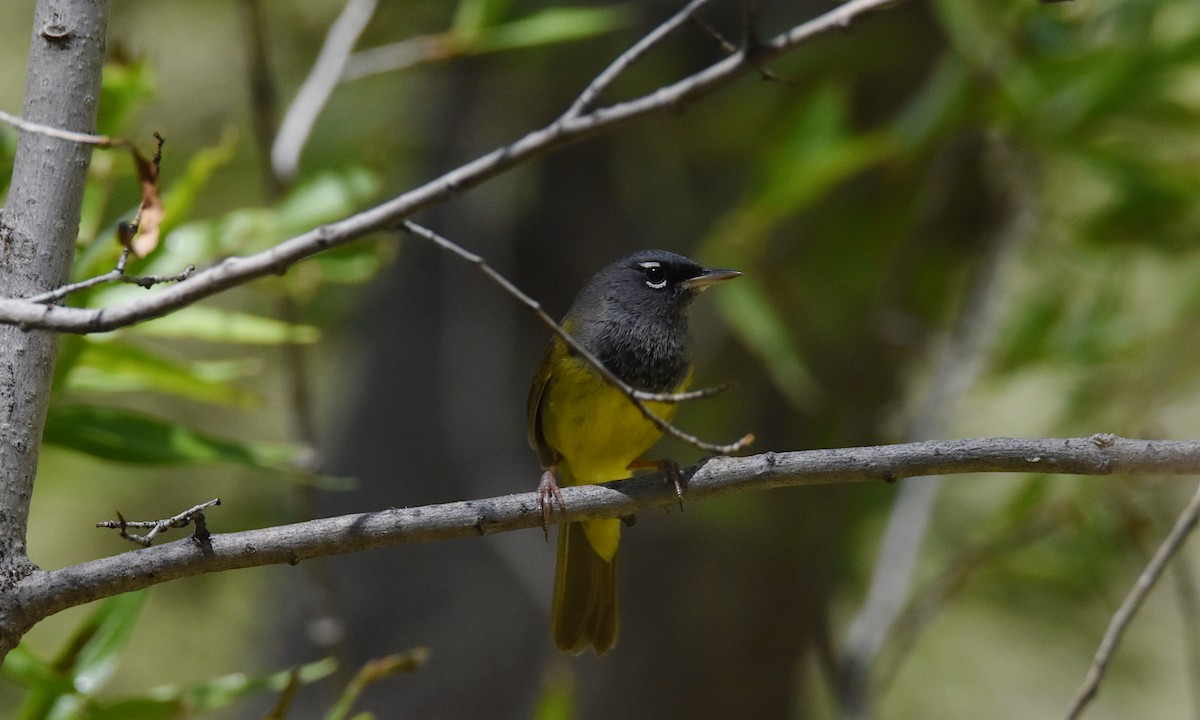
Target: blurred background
954,219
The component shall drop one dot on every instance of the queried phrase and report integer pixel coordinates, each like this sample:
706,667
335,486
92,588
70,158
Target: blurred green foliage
860,197
70,685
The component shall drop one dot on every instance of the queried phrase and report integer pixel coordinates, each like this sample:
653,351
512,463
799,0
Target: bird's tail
585,589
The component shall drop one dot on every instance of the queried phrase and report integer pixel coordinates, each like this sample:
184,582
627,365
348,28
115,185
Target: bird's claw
547,493
671,474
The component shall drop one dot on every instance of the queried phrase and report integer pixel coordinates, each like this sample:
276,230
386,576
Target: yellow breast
593,426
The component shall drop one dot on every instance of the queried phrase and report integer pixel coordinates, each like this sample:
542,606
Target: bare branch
629,57
635,396
1133,601
235,271
318,86
398,56
46,592
58,133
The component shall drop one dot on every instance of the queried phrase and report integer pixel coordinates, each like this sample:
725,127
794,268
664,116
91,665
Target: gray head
632,315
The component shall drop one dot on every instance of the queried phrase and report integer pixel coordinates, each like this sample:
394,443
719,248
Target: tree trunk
38,227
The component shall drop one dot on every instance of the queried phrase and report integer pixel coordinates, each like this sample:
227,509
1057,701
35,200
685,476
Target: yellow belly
595,429
597,432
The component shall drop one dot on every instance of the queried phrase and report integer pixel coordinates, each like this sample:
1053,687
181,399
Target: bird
632,316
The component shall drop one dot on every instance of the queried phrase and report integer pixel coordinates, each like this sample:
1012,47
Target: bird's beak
709,277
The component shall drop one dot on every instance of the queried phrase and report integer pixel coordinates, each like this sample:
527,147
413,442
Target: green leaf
944,96
8,151
1149,200
223,691
325,197
25,668
1029,336
180,196
372,672
130,436
210,695
473,16
750,313
821,152
117,367
353,264
202,322
94,652
552,25
138,709
124,86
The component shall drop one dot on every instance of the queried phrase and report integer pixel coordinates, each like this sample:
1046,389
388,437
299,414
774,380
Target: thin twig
635,396
263,97
234,271
723,44
1184,525
628,58
1188,601
314,93
148,281
117,274
183,519
85,138
698,394
750,24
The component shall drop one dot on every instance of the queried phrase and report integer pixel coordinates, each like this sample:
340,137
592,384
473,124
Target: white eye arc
656,277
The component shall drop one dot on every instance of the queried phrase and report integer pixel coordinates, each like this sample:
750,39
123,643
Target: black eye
656,277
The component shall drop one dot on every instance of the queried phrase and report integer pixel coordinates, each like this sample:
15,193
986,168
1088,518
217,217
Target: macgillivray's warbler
632,316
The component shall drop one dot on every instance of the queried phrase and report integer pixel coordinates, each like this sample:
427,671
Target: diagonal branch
235,271
629,57
1133,601
318,86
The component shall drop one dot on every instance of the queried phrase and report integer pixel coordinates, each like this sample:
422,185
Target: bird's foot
669,471
672,475
547,493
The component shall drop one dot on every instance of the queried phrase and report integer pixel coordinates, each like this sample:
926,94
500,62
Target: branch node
755,48
1104,440
56,33
193,515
